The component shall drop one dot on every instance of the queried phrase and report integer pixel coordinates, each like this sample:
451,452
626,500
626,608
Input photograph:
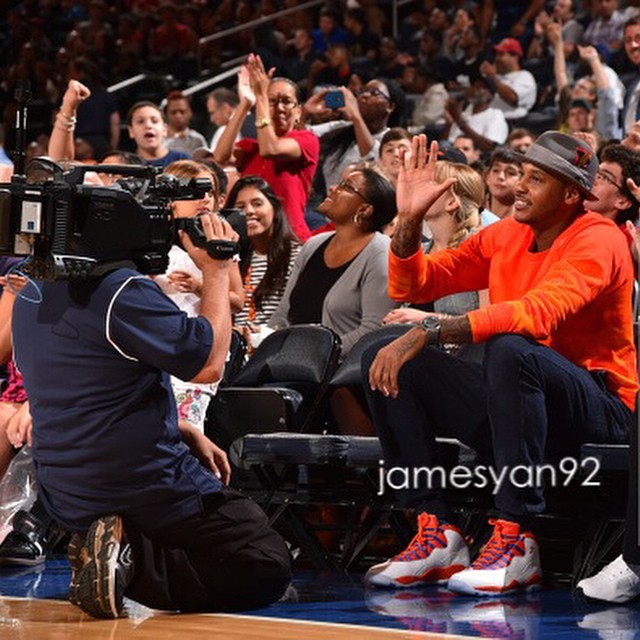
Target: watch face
431,322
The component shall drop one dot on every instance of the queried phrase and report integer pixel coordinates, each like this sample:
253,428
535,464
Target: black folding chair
282,387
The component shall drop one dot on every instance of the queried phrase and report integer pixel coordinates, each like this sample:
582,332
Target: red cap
509,45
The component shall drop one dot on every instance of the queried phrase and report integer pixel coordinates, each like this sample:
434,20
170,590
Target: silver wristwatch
432,326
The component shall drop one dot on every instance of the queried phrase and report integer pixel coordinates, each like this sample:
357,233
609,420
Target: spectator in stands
520,140
274,248
171,40
283,154
358,139
328,31
467,67
394,144
334,70
541,383
428,112
363,44
183,281
580,116
502,175
149,131
503,18
376,16
603,88
485,125
289,24
340,278
515,87
564,14
610,93
297,65
540,55
389,63
429,54
130,39
221,103
632,138
466,145
180,137
631,111
607,26
464,18
615,199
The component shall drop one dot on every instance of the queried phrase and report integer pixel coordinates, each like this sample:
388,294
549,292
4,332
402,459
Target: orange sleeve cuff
404,273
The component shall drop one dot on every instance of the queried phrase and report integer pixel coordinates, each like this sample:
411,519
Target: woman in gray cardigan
340,278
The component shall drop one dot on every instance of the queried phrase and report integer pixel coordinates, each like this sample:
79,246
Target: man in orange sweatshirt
559,367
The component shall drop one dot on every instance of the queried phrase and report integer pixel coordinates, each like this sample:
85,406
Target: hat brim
556,166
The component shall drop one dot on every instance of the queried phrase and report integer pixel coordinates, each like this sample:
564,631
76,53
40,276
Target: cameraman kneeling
110,461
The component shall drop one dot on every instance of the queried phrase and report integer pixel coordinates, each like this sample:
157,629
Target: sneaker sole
435,576
96,592
22,562
74,553
466,589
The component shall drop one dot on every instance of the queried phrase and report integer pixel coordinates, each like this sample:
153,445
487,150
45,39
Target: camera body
73,230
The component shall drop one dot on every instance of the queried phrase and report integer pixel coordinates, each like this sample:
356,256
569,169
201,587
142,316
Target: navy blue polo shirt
96,359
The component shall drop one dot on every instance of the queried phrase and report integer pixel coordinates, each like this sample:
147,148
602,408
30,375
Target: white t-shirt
334,166
489,123
179,260
524,84
192,399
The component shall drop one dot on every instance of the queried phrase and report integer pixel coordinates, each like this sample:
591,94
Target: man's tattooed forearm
406,239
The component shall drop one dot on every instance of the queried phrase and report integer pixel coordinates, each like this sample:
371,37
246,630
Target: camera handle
22,96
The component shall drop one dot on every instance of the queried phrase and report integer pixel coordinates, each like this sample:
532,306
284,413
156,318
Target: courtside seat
349,371
282,387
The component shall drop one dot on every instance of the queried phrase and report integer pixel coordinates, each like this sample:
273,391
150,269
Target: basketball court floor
318,606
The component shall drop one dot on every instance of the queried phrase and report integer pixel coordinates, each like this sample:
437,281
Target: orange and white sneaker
509,562
436,552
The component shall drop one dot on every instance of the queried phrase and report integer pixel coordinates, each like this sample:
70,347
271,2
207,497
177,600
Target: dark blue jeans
524,400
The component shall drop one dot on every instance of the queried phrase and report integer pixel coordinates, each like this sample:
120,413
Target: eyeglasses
345,186
374,92
285,101
602,175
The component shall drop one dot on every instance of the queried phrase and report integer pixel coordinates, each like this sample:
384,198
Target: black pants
227,558
524,400
631,550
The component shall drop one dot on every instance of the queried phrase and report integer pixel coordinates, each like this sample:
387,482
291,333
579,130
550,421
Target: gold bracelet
72,119
261,123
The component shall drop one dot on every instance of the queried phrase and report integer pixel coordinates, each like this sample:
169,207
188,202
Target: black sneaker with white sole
101,568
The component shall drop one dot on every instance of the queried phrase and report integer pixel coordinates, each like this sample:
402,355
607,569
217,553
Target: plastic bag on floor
17,489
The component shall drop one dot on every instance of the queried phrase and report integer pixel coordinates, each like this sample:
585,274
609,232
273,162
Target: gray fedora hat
565,157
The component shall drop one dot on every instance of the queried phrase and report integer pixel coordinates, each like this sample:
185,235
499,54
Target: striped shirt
254,276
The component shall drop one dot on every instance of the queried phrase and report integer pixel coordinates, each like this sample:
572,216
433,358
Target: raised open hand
245,92
418,188
259,78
